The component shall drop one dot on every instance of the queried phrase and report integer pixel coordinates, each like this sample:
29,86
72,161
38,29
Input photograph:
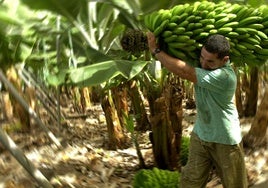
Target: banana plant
95,29
14,48
99,45
13,45
95,37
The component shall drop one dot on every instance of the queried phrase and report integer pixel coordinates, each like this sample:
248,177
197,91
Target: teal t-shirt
217,118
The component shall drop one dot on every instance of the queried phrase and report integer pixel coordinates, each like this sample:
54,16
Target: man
216,136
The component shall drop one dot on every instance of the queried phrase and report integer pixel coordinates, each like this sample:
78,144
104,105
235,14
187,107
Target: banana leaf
98,73
64,7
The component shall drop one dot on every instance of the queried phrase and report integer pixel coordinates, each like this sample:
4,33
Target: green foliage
97,73
129,123
12,43
156,178
185,141
255,3
72,7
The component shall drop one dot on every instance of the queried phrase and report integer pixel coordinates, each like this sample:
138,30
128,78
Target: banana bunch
182,30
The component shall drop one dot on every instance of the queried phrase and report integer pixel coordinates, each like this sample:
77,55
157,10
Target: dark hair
217,44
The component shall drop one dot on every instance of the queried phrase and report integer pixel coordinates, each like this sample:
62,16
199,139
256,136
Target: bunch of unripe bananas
182,30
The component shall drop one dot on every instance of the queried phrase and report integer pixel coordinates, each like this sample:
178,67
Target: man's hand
151,42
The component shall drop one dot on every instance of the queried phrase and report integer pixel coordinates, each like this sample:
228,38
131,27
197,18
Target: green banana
166,33
166,14
203,14
171,38
219,9
177,45
202,35
241,31
183,24
190,18
161,28
189,48
189,33
146,21
198,31
252,31
231,24
249,20
198,25
190,26
177,53
244,36
252,40
156,21
172,26
220,16
188,8
224,30
232,34
207,21
213,31
179,30
241,13
191,42
211,14
263,51
256,26
241,48
257,47
187,25
235,52
175,19
248,45
262,35
177,10
221,22
234,8
208,27
182,38
183,16
152,20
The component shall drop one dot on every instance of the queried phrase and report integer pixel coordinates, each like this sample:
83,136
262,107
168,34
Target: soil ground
85,162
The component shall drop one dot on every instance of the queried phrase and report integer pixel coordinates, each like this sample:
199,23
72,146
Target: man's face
210,61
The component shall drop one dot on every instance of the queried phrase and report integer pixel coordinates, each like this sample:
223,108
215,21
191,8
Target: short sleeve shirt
217,118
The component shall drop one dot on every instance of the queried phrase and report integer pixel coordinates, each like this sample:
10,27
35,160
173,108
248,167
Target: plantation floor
85,162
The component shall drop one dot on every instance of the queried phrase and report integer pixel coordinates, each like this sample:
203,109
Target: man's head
215,52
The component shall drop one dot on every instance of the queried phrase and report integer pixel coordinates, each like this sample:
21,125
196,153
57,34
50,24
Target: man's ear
226,59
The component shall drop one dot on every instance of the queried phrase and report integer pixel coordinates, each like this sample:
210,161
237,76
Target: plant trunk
86,95
77,100
160,126
121,103
189,95
167,126
238,96
84,99
174,95
117,139
18,111
257,133
138,107
6,106
252,100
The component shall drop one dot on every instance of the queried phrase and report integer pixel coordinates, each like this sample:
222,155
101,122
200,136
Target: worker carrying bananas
216,136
